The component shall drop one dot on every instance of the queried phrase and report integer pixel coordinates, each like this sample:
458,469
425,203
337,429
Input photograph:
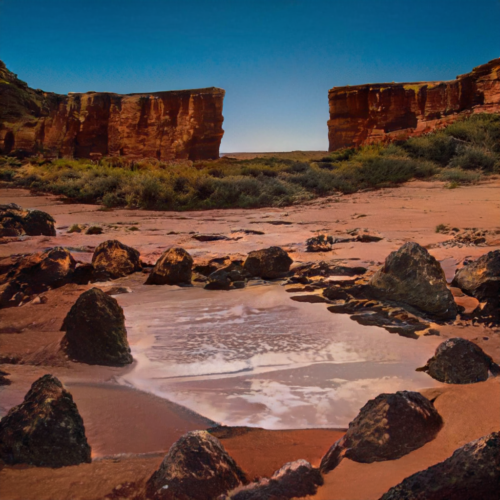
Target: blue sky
276,59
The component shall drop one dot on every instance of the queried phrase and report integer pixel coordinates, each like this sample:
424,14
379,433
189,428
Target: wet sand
123,420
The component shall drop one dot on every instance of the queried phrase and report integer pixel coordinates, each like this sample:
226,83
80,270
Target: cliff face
184,124
370,113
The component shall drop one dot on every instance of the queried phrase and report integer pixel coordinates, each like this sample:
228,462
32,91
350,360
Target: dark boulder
116,259
481,279
197,467
222,279
413,277
320,243
16,221
84,274
294,480
37,273
459,361
269,263
386,428
174,267
95,331
45,429
471,473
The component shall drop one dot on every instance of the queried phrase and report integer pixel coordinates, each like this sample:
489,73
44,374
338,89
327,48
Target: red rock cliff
370,113
184,124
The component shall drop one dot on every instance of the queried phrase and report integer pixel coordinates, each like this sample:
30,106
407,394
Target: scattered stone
3,378
312,299
386,428
197,467
459,361
294,480
94,230
248,231
472,472
413,277
368,238
320,243
481,279
17,221
268,263
223,278
95,331
116,259
172,268
45,430
76,228
36,273
324,269
83,274
209,237
116,290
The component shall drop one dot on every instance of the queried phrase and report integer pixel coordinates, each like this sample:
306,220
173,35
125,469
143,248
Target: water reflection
254,357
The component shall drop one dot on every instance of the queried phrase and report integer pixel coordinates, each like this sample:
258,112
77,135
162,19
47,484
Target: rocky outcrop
95,331
36,273
472,472
116,259
197,467
413,277
481,279
459,361
16,221
185,124
386,428
232,276
174,267
46,429
365,114
269,263
294,480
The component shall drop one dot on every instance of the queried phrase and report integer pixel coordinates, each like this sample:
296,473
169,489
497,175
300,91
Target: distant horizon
276,60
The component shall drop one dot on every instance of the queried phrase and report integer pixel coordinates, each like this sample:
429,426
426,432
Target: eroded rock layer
382,112
185,124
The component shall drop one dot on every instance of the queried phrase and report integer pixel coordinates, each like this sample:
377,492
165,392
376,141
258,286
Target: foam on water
254,357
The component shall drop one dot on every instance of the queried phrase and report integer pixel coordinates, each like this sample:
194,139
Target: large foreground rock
481,279
294,480
269,263
174,267
413,277
16,221
95,330
116,259
37,273
471,473
45,429
459,361
197,467
386,428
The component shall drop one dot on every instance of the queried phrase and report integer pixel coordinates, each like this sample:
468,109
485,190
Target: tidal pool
254,357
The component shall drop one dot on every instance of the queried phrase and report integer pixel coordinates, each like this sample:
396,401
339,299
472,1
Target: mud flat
285,377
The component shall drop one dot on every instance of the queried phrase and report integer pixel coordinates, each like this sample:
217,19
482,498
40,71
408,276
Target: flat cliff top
476,72
207,90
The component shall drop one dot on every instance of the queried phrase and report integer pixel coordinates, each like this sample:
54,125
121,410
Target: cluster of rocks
17,221
468,237
325,242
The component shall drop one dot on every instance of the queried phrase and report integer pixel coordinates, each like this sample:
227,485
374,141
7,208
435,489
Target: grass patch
460,154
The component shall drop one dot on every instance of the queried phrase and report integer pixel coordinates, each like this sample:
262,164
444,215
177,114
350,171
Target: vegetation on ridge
461,153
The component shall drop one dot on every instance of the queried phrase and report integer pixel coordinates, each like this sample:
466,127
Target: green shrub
476,158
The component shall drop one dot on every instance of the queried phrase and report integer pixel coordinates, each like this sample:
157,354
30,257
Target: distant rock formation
184,124
381,112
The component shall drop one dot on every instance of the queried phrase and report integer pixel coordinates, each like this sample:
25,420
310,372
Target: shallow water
255,357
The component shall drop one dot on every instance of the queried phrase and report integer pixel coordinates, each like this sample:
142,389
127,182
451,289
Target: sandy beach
133,415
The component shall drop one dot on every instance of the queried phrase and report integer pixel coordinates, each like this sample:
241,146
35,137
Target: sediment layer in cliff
184,124
383,112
